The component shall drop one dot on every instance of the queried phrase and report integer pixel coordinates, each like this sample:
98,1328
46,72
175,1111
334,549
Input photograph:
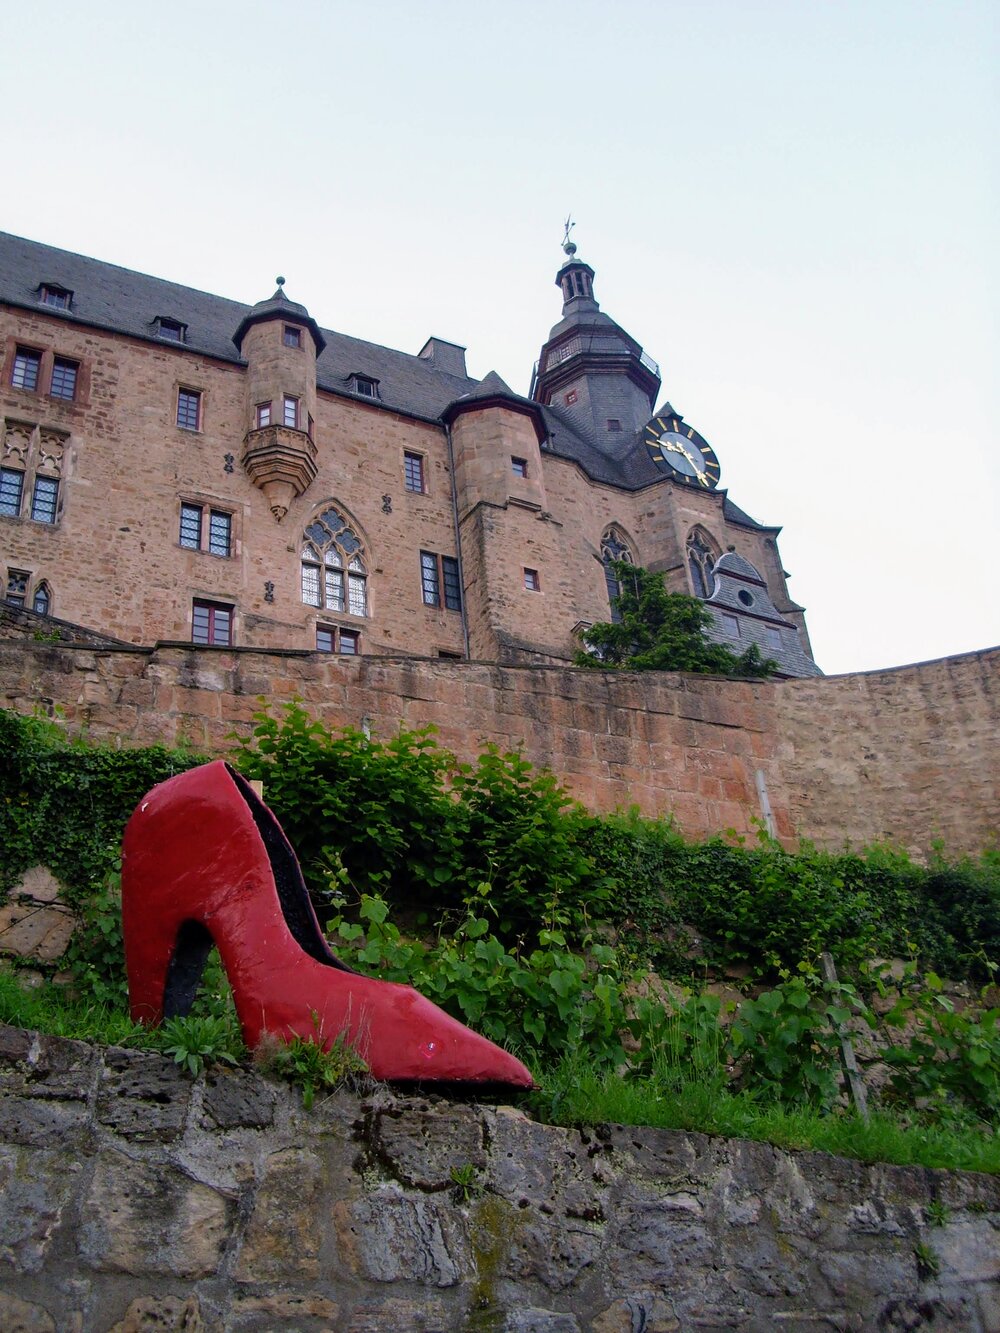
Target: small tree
662,631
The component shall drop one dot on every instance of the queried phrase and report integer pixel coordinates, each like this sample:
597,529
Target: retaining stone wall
133,1198
908,754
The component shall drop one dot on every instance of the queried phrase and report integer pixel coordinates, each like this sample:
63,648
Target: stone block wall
908,754
132,1197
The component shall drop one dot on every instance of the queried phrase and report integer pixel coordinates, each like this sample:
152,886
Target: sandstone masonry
908,754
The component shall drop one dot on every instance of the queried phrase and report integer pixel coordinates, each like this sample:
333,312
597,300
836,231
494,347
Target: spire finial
568,246
280,281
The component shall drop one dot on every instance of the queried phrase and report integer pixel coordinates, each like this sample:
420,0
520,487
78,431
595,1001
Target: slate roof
741,592
120,300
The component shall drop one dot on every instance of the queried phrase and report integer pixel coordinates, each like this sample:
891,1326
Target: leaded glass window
613,547
701,557
44,500
334,573
11,487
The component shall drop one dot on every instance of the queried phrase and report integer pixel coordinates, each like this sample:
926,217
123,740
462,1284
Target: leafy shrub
540,1003
405,821
952,1058
64,804
787,1040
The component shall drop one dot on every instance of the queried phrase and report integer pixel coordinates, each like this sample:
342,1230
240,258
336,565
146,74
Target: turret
280,342
591,369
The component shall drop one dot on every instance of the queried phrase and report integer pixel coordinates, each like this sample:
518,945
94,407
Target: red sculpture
205,862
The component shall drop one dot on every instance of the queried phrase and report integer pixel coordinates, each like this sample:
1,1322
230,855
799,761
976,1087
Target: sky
794,205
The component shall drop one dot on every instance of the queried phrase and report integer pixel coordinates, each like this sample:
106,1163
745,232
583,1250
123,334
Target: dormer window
364,385
60,298
171,330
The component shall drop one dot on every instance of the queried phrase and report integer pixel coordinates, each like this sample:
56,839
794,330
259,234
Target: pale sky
794,205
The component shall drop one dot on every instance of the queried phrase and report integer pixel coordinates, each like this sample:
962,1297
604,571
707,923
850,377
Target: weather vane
567,244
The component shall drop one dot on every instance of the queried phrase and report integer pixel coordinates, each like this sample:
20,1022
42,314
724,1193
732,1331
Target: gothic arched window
334,574
42,599
701,556
613,547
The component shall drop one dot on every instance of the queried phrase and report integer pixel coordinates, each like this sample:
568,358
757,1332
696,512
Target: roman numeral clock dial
680,450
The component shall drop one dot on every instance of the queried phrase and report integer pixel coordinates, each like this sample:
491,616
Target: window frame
171,330
25,356
330,533
6,472
41,590
206,516
338,635
519,467
289,399
213,609
38,507
61,365
63,295
262,414
440,581
532,580
13,596
291,336
365,386
186,393
413,468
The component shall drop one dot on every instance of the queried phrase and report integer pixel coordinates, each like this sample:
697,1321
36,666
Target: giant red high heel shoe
205,862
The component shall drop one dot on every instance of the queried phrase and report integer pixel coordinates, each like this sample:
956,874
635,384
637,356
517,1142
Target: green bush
64,804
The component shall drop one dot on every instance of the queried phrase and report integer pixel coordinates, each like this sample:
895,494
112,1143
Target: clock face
679,447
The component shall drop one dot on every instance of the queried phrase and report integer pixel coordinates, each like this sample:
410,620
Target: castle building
175,466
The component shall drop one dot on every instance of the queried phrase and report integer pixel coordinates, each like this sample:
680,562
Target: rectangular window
773,637
730,624
217,540
331,639
27,364
17,587
220,532
11,488
191,527
212,623
310,585
519,467
334,589
64,375
356,602
437,573
58,297
44,499
531,580
291,412
430,582
452,583
263,415
364,385
171,329
189,409
293,336
413,472
614,424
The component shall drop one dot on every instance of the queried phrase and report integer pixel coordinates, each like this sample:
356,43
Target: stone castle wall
909,754
132,1197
